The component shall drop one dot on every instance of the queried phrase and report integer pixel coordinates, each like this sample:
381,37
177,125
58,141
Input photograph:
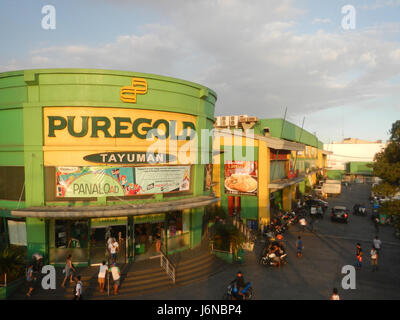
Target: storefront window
16,232
12,183
69,237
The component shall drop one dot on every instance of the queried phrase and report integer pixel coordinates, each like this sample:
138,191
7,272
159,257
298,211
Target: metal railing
167,265
243,229
213,250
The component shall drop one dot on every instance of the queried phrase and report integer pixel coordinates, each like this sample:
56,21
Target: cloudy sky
260,56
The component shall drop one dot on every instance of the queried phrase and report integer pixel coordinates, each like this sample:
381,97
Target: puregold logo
128,93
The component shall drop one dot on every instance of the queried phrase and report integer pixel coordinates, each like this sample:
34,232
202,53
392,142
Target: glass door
100,238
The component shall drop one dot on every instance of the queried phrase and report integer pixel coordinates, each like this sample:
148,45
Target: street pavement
326,250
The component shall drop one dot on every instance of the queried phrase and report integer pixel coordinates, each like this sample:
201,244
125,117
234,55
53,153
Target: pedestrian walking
30,280
359,257
299,246
376,222
374,259
335,295
78,289
113,248
68,270
102,276
303,224
37,260
377,243
116,274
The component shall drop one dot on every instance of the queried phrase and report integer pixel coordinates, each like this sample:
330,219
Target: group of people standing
374,254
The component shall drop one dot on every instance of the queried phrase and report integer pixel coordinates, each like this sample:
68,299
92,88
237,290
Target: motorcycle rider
239,283
276,251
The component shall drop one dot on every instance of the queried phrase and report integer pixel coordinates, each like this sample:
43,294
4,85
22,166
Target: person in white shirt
335,295
78,288
102,276
113,248
313,210
303,223
377,244
374,259
116,274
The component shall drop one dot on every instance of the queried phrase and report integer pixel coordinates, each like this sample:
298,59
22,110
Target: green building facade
74,168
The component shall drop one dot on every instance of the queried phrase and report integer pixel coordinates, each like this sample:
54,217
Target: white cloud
249,53
378,4
319,20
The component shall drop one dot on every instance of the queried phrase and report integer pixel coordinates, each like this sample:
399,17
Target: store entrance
99,236
149,238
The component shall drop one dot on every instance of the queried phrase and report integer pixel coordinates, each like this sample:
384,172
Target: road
312,277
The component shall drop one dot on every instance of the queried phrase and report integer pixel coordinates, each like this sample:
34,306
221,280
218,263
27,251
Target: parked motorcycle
268,259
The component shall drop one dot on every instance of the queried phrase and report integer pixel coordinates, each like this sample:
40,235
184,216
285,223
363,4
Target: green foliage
385,189
213,211
391,208
387,164
12,263
225,236
395,132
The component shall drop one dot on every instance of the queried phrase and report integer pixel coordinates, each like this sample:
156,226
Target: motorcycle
268,259
232,289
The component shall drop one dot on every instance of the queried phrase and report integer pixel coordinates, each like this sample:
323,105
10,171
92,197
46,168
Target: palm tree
12,263
227,237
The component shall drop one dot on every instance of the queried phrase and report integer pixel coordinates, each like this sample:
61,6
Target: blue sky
281,53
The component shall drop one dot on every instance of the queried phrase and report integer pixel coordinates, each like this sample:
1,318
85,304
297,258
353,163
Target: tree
12,263
387,167
387,164
226,236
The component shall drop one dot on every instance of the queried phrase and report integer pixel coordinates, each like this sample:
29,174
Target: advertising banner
163,179
93,182
241,177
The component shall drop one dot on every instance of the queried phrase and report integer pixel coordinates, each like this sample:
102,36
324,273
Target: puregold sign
128,93
114,126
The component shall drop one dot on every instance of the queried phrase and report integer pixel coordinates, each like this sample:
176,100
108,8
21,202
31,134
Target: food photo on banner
241,177
120,181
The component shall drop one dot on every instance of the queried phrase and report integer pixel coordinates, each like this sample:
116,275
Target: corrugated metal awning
284,183
116,210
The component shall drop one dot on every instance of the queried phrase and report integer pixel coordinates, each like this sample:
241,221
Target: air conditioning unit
233,121
243,118
252,119
224,118
224,123
218,121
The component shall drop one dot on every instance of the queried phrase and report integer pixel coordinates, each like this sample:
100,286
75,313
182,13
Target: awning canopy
284,183
272,142
116,210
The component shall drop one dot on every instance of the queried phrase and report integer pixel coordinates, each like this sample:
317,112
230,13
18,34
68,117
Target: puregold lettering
121,127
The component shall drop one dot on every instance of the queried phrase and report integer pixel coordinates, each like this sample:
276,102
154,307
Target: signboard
163,179
130,158
114,127
112,221
149,218
241,177
93,182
